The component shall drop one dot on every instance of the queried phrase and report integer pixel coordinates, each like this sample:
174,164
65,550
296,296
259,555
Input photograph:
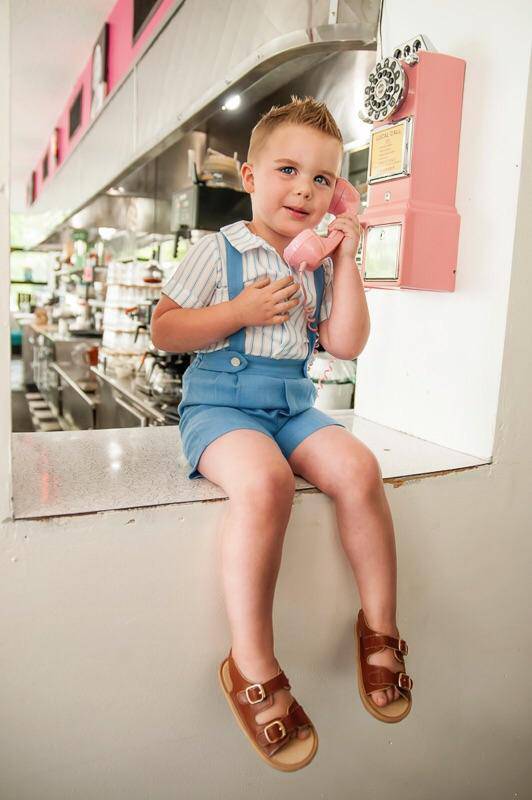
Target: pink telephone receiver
308,246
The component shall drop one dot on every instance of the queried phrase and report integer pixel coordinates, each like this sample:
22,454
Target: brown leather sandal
276,741
372,677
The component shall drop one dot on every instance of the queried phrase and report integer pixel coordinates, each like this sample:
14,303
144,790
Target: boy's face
296,168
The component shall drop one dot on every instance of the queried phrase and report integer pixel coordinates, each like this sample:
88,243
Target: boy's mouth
296,213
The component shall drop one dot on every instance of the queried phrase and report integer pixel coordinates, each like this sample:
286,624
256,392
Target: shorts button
235,362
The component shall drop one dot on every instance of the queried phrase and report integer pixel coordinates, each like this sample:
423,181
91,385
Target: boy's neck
259,228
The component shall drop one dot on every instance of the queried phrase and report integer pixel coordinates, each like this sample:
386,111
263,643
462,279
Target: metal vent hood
135,214
139,203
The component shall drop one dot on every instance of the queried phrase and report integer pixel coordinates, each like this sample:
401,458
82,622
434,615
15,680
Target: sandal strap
251,694
276,733
378,678
376,641
254,693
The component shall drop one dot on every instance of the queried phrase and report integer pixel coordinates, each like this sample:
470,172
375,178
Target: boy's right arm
184,330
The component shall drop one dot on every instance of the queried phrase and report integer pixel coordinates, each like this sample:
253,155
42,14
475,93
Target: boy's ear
246,170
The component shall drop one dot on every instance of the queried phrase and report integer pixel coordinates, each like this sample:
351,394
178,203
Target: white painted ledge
55,474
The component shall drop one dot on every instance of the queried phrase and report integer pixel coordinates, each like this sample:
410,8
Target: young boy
248,424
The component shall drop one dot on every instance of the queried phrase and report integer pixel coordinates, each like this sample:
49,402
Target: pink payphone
414,102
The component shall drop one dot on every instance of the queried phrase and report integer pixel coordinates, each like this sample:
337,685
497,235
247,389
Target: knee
359,476
268,487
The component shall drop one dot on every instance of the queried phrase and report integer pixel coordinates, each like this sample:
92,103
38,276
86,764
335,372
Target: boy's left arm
345,333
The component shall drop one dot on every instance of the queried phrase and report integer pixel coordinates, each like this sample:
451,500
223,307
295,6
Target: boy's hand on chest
266,302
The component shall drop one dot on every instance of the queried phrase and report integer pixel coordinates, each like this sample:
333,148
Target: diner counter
52,332
56,474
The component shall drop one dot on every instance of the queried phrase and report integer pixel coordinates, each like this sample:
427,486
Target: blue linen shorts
225,390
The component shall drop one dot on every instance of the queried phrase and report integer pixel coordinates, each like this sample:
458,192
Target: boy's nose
304,191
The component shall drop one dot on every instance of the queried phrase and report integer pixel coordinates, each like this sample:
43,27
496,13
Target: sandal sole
296,748
375,711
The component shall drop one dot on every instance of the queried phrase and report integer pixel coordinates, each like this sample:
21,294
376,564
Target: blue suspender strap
235,284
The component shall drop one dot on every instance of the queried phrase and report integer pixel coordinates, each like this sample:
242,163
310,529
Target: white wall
5,395
432,364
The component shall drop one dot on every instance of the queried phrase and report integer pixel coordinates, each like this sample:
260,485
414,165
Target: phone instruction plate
390,150
382,252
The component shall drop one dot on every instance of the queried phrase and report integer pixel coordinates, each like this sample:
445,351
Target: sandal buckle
262,694
280,725
403,647
404,681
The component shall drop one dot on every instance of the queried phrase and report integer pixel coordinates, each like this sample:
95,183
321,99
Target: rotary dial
387,88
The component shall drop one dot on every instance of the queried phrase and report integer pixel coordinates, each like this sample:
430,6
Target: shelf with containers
129,286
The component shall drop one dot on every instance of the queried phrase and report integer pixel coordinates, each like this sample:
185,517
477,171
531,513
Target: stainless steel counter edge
54,336
73,384
136,398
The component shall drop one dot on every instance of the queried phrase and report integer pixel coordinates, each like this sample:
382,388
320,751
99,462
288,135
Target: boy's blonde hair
307,111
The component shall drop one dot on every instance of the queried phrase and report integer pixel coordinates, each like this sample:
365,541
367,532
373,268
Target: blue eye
317,176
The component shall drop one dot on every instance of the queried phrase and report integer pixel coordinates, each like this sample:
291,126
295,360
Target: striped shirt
201,280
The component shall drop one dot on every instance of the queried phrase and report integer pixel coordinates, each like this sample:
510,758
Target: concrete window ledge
56,474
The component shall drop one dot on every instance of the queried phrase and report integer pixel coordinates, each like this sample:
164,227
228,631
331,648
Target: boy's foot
384,686
387,659
276,740
259,672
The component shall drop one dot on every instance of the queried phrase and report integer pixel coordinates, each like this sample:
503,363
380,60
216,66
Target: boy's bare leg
339,464
259,482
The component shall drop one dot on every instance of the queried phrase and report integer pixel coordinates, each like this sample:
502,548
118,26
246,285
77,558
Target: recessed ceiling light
232,102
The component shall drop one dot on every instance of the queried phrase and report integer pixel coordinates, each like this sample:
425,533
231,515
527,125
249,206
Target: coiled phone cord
313,327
